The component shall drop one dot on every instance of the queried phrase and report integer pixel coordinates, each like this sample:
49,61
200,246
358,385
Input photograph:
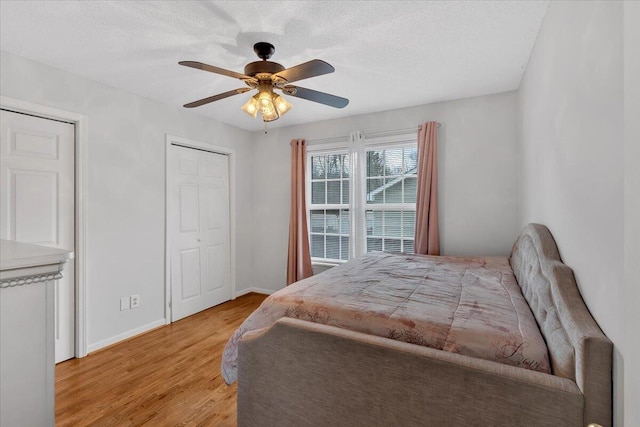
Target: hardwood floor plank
167,377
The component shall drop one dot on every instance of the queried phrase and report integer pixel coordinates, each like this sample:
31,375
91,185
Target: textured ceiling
386,54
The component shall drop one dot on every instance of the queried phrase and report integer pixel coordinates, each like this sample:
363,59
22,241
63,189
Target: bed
396,339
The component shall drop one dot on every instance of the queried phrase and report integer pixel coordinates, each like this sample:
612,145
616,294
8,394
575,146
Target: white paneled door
37,201
198,216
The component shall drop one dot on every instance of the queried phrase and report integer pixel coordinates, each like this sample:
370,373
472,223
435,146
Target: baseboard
256,290
121,337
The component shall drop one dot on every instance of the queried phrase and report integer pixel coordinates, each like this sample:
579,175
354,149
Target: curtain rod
368,135
395,131
331,139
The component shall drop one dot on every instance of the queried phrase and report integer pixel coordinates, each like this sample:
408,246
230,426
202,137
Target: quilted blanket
467,305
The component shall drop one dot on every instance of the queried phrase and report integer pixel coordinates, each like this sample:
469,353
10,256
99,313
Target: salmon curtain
299,257
427,239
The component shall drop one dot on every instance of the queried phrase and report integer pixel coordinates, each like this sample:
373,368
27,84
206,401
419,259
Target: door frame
216,149
80,161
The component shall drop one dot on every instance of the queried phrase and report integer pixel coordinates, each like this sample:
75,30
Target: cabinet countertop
15,255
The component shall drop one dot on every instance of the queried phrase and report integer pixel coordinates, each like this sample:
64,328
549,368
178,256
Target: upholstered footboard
298,373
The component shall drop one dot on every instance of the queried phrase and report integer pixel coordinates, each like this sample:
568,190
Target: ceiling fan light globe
281,104
251,107
265,101
270,116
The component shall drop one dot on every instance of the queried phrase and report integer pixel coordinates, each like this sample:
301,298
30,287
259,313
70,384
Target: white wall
572,160
632,209
477,176
126,184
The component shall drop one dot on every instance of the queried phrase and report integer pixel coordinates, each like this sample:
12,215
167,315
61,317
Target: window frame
383,207
329,149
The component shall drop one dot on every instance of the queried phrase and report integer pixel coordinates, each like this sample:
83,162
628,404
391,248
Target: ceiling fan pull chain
265,128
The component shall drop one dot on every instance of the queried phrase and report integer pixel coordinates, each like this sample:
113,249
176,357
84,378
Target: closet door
199,230
37,203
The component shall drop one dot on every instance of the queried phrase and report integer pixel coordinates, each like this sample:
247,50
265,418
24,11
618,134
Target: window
362,197
391,177
329,222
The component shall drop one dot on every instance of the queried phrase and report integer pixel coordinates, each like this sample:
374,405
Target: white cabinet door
198,215
37,201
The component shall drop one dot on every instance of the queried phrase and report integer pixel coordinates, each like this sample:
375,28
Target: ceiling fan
265,76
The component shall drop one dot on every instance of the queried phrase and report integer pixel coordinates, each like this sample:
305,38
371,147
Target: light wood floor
167,377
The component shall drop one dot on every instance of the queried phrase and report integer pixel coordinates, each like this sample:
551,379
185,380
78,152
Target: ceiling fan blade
313,68
216,97
315,96
217,70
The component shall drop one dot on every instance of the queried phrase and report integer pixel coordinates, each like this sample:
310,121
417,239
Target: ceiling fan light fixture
251,107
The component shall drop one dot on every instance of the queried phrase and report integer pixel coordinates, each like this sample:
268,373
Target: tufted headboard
578,349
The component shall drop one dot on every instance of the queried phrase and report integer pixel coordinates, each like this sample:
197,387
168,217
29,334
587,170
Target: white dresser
27,369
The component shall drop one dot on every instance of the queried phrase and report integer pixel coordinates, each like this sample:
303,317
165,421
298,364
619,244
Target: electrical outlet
135,301
124,304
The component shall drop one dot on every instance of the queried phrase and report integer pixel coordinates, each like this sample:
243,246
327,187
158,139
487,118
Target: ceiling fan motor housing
262,67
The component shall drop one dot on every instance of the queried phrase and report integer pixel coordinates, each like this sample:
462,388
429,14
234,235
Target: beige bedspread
467,305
